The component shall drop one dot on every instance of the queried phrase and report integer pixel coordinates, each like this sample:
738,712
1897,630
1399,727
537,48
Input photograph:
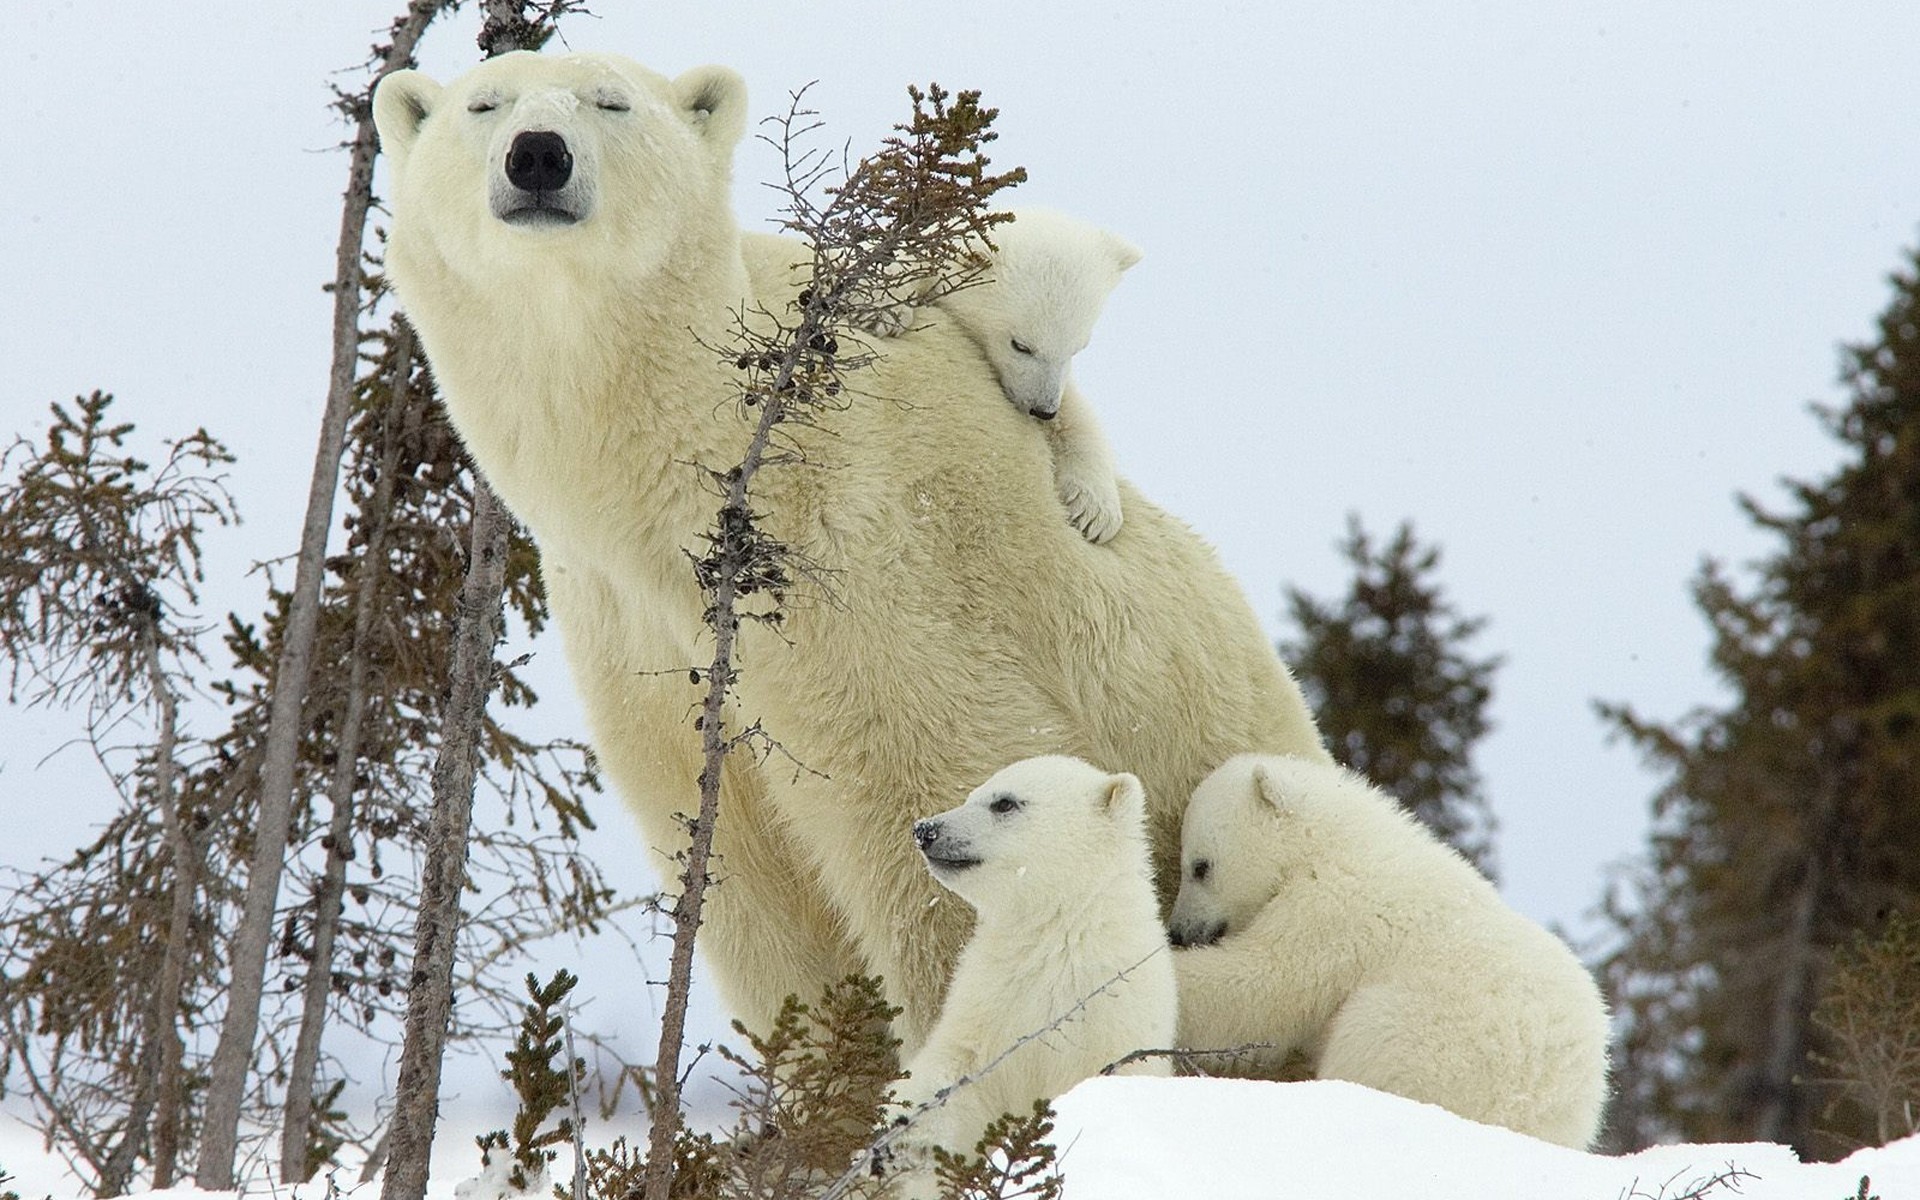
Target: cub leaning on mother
564,242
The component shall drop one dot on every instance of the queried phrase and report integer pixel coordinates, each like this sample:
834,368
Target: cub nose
539,161
925,833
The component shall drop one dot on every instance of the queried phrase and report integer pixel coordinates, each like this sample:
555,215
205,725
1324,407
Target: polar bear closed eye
1319,918
1052,854
1048,277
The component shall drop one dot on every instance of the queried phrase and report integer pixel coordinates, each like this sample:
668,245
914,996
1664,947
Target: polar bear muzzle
942,849
540,187
539,161
1195,933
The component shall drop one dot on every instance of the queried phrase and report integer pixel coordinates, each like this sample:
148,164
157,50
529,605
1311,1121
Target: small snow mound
1237,1139
494,1181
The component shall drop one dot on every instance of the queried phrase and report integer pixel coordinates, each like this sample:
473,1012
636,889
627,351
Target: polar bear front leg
1083,468
1236,996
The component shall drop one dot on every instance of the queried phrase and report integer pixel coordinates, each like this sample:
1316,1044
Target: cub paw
1092,507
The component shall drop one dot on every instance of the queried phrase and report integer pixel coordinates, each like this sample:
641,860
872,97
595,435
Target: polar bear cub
1048,277
1052,854
1327,921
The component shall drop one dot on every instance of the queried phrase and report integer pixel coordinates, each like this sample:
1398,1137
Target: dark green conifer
1790,818
1395,688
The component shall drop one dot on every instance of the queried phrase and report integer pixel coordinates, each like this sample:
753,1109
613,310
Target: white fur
968,627
1047,279
1354,936
1058,874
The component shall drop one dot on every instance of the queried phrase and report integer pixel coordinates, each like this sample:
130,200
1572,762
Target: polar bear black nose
925,833
539,161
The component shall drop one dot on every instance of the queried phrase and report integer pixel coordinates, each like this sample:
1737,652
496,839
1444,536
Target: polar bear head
529,165
1243,835
1048,279
1039,834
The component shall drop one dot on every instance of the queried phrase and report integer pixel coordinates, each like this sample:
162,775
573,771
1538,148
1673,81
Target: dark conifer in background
1790,818
1395,686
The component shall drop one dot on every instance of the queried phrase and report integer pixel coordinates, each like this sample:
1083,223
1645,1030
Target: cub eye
1201,869
612,104
1020,347
482,104
1002,805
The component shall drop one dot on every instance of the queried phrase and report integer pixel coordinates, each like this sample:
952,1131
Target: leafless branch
1696,1188
900,218
1190,1059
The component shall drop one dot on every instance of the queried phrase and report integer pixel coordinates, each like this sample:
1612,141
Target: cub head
530,160
1240,840
1040,832
1049,277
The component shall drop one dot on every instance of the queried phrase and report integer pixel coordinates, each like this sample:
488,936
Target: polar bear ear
1270,792
1125,253
714,102
1124,798
401,104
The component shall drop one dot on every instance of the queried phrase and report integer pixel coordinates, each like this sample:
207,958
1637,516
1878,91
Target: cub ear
1124,798
1125,253
1268,788
714,102
401,104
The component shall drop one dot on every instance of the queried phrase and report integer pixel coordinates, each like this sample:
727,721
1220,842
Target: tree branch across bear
563,242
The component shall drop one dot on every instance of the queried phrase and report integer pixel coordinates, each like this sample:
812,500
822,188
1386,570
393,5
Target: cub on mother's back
1047,278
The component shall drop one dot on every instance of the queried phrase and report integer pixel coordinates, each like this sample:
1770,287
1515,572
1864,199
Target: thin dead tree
509,25
101,564
233,1056
329,893
430,985
901,229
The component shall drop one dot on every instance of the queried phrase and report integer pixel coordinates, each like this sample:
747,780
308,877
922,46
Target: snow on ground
1235,1139
1231,1139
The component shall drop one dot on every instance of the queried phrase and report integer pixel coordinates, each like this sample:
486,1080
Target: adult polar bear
563,241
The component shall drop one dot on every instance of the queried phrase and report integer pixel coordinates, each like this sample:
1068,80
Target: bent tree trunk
477,629
430,984
233,1056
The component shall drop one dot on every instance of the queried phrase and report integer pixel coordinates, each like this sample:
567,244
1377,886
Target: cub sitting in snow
1326,920
1052,854
1048,277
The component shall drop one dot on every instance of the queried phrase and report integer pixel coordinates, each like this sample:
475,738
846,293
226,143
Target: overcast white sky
1554,280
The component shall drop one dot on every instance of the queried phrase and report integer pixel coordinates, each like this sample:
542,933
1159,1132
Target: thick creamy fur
966,625
1354,936
1067,923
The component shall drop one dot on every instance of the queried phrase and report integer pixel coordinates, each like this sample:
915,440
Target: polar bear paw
889,321
1092,500
905,1165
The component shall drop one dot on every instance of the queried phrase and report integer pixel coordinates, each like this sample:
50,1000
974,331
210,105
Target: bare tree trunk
1779,1116
897,218
376,517
165,1046
409,1137
1786,1040
430,986
694,875
227,1073
158,1101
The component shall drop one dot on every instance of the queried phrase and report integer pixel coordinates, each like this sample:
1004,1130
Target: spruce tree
1396,689
1790,818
